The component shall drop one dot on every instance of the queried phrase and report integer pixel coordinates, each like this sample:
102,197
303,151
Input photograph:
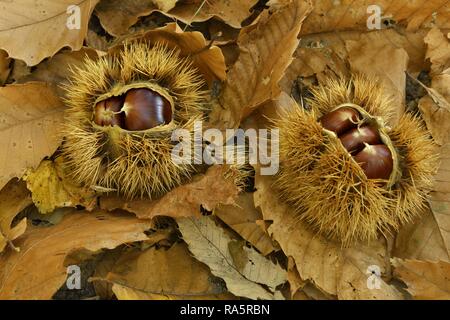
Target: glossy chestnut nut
145,109
107,112
376,161
354,139
340,120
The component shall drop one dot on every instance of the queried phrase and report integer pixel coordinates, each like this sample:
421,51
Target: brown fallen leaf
30,119
14,197
438,51
242,218
426,280
211,245
421,240
32,31
341,272
348,14
56,70
207,190
163,274
5,68
262,62
51,189
232,12
37,271
376,57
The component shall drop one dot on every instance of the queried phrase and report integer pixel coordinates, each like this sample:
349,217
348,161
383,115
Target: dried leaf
4,66
50,189
438,51
348,14
210,244
208,191
376,57
338,271
242,218
262,61
38,270
425,279
164,274
14,197
208,59
56,70
421,240
32,31
232,12
30,119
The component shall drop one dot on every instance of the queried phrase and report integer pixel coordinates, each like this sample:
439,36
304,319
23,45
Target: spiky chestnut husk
135,163
324,184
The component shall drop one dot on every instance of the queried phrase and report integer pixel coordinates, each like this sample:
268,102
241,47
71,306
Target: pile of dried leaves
205,239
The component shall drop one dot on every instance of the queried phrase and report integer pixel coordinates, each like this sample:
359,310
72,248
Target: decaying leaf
30,120
51,189
32,30
210,244
242,217
206,190
163,274
262,61
14,197
37,271
425,279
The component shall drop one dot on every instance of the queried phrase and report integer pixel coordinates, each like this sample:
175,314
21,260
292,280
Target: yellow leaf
51,190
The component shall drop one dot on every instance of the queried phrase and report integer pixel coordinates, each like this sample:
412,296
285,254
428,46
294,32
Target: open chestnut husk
347,169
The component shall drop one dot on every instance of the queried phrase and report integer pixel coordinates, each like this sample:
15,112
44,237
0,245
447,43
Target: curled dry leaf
341,272
262,61
348,14
242,269
207,190
37,271
242,217
31,30
51,189
425,279
30,120
14,197
160,274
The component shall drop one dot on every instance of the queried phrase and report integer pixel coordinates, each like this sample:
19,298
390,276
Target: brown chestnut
354,139
107,112
376,161
340,120
145,109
